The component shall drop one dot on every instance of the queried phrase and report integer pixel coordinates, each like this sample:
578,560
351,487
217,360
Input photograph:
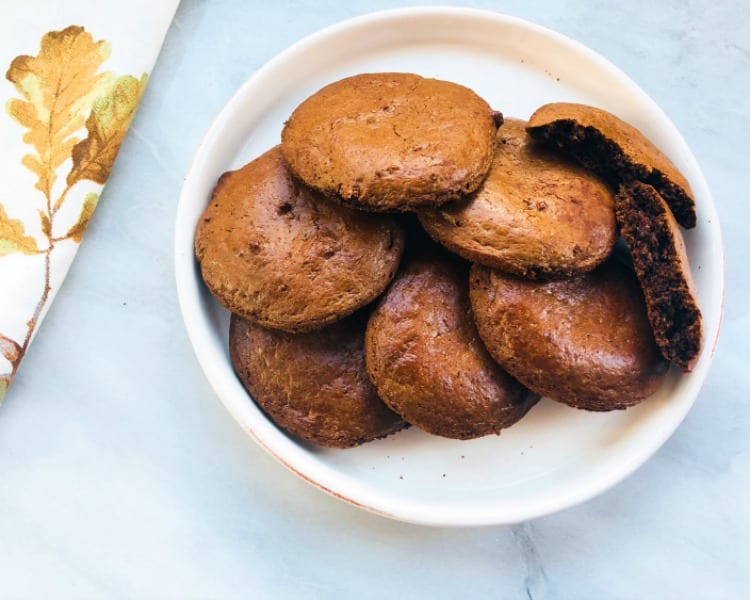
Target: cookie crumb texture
585,341
661,264
426,359
614,149
281,255
313,385
391,141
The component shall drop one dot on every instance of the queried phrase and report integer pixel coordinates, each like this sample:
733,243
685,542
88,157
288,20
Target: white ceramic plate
556,456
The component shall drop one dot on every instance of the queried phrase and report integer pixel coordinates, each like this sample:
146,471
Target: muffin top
391,141
535,215
283,256
584,341
426,359
312,385
614,149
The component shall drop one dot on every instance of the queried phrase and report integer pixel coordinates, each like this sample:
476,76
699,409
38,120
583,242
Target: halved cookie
391,141
312,385
535,215
660,261
426,359
283,256
615,150
584,341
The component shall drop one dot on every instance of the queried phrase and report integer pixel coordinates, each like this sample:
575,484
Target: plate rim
416,511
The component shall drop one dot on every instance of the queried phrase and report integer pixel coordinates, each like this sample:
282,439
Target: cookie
312,385
535,215
427,361
615,150
584,341
391,141
279,254
661,264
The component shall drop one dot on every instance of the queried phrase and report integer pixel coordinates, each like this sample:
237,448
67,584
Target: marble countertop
124,477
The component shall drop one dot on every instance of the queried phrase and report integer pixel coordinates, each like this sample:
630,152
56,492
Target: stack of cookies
349,323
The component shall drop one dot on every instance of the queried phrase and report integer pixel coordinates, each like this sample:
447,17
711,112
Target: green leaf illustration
13,237
107,124
89,204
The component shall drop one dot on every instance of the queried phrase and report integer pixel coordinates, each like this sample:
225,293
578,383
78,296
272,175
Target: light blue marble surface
122,476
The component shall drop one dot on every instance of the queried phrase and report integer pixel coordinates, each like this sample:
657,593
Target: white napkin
74,74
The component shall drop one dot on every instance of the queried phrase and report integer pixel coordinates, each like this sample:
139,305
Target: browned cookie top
661,263
391,141
279,254
615,149
427,361
536,214
312,385
584,341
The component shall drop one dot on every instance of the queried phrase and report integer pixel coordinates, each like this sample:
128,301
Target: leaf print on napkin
107,124
63,97
76,232
13,353
45,223
13,237
59,85
9,349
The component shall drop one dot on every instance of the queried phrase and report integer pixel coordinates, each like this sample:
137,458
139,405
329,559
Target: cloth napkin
75,72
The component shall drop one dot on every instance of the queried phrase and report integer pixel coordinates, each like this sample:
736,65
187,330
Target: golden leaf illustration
13,238
62,91
89,204
45,223
58,86
107,124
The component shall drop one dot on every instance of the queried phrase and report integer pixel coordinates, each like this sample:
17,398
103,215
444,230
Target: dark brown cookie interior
660,261
614,149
